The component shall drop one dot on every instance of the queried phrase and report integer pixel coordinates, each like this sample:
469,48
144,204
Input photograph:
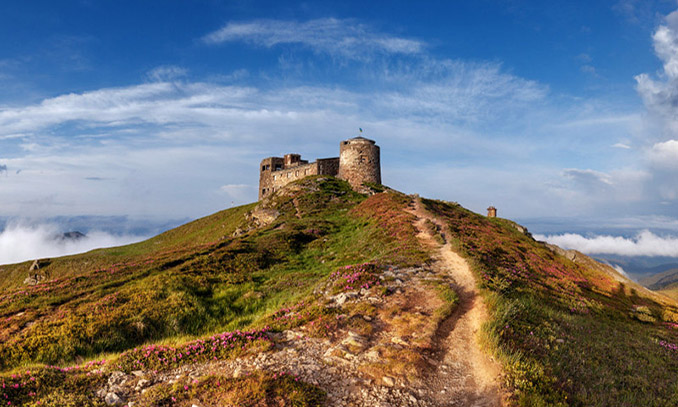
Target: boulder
34,279
112,399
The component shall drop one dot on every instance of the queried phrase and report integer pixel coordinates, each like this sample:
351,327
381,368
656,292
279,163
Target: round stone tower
359,162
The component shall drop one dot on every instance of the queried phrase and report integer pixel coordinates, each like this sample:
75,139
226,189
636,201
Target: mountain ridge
321,296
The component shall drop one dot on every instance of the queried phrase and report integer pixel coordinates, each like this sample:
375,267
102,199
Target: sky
563,115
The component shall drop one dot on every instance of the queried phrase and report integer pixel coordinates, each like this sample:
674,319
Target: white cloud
660,130
620,269
454,91
341,37
166,148
644,243
665,154
661,95
622,146
20,242
588,178
166,73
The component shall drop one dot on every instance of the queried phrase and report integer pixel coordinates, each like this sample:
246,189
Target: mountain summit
320,295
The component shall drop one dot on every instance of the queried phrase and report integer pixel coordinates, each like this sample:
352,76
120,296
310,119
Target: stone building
491,212
358,163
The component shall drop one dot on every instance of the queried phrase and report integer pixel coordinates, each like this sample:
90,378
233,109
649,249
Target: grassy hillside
670,291
568,333
195,281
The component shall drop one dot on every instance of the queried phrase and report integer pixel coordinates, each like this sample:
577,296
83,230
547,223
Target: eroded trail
460,373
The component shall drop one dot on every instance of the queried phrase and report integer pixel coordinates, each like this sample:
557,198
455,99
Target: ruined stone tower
359,162
491,212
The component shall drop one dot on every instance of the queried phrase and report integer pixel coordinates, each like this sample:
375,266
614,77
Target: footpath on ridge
459,372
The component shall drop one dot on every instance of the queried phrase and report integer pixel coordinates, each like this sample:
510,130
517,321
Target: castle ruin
358,163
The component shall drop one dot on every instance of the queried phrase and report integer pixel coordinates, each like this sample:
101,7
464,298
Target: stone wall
271,180
328,166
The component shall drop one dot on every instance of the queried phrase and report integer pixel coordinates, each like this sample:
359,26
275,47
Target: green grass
185,287
566,334
198,280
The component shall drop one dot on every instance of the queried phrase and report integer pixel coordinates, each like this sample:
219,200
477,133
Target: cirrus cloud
340,37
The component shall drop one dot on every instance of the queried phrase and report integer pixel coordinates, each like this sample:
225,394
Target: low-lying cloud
645,243
20,242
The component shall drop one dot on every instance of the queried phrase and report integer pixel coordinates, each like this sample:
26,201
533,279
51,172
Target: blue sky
561,114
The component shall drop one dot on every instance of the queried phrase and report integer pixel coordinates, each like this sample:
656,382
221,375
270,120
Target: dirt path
460,373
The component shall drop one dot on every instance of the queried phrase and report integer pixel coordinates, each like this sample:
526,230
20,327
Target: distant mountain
662,280
75,235
640,267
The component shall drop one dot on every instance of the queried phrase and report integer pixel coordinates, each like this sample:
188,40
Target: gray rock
34,279
116,377
290,335
341,298
113,399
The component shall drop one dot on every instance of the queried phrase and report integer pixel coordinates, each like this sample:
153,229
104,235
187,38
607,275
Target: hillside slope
665,282
568,330
322,296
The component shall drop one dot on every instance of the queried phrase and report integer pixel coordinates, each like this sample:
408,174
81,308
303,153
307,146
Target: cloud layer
167,148
27,242
174,146
644,243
